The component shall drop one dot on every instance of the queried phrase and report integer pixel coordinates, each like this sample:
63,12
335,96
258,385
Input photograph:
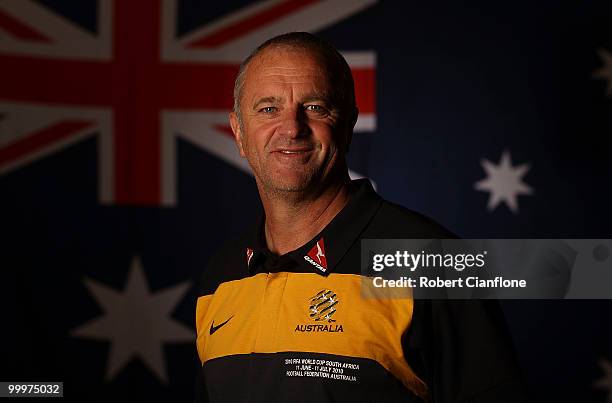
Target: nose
293,124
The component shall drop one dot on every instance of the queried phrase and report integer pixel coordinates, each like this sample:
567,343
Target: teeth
290,152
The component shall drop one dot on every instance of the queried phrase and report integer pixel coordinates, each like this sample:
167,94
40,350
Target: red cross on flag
137,86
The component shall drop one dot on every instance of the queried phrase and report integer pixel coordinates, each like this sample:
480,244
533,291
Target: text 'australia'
319,328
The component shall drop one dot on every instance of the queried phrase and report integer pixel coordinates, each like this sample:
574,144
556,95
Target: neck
293,221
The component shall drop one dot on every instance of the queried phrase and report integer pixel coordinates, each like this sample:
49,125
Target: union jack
138,86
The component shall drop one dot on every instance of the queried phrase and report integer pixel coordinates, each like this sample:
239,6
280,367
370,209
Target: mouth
292,151
293,156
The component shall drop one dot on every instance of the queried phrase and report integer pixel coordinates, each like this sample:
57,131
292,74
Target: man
280,316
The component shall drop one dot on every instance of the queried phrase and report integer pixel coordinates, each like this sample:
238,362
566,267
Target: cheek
327,137
256,138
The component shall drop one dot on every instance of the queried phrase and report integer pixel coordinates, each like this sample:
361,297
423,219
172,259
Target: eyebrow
317,97
266,100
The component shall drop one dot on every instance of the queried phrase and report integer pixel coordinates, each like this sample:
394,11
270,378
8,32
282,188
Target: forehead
282,68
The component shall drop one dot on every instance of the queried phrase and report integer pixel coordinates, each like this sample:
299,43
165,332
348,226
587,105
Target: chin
290,187
290,183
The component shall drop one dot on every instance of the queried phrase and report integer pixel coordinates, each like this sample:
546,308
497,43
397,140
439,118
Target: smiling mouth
291,152
293,156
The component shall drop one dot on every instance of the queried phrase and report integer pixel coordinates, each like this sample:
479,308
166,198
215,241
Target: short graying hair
343,93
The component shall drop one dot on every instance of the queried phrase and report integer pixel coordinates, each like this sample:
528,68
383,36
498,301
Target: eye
316,108
268,109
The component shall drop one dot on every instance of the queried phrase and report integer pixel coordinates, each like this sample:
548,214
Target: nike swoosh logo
214,328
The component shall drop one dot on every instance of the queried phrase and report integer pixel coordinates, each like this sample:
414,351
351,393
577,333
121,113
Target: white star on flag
136,322
605,72
606,381
504,182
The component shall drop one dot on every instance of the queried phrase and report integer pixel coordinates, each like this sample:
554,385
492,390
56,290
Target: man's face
290,131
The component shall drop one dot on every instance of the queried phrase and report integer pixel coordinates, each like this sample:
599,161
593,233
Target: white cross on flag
137,86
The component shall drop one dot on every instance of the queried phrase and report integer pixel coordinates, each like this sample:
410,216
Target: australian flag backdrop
119,178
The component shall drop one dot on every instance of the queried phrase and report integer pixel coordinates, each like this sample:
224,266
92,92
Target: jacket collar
324,251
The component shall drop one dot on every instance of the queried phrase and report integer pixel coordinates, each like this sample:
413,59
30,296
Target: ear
351,127
235,125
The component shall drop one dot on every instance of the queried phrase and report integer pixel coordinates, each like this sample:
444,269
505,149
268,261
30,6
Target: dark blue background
455,83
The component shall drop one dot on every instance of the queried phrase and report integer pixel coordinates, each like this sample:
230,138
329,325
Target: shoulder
227,263
394,221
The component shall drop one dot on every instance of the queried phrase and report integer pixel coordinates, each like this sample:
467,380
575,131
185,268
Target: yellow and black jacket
295,328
